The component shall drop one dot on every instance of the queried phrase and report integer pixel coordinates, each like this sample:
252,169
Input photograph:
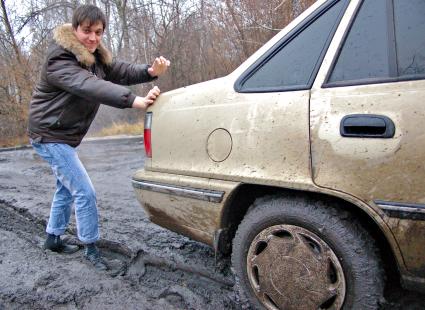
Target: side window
409,22
294,63
379,47
365,51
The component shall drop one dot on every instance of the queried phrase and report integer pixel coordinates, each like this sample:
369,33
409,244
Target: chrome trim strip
195,193
403,209
411,211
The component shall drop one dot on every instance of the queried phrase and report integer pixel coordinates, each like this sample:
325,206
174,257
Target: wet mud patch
32,278
71,282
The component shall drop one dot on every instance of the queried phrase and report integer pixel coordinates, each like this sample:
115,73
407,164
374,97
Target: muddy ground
151,268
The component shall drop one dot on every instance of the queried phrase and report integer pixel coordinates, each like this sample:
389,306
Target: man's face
89,36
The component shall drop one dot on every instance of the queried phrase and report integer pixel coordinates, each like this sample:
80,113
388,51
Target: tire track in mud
139,270
134,263
21,222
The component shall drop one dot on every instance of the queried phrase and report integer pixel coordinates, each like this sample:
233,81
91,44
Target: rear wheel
292,254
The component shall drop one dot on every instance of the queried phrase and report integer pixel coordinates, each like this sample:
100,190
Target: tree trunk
9,32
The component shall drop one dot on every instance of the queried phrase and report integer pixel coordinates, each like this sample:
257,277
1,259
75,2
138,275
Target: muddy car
306,162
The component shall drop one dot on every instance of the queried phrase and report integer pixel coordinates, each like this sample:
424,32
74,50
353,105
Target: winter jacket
73,83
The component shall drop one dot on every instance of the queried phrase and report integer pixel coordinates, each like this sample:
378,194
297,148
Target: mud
150,267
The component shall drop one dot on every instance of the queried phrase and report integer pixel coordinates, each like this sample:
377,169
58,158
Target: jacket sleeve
125,73
64,71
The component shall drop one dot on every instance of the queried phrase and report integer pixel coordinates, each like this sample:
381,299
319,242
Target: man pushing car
78,75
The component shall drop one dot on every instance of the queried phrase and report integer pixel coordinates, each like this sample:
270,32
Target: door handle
367,126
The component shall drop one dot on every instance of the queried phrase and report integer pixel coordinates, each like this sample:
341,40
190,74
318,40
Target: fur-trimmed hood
65,37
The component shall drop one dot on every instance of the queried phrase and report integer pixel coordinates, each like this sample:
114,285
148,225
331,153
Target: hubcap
290,267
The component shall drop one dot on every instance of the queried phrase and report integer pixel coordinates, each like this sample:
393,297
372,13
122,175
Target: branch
35,13
282,3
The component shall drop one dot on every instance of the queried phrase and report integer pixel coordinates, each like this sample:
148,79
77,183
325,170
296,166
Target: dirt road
151,268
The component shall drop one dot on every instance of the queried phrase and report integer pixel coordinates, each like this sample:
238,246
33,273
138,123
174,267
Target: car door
367,115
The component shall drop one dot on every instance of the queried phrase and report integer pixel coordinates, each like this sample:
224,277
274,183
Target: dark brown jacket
73,83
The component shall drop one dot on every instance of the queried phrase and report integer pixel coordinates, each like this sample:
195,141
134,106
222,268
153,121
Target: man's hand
144,102
159,66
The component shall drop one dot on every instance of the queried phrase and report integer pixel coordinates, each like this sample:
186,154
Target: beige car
307,162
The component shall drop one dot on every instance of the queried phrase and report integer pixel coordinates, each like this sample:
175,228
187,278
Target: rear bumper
191,206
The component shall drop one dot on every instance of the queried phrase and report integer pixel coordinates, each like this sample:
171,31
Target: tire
291,253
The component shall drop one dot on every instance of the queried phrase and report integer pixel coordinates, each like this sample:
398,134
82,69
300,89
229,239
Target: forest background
204,39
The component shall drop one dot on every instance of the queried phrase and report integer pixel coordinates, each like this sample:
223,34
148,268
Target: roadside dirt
150,267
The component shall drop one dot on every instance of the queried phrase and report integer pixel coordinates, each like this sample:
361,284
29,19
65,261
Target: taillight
147,134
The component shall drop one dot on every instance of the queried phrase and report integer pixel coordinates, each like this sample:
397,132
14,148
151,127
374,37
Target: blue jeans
73,185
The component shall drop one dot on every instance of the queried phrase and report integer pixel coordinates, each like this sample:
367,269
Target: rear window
294,63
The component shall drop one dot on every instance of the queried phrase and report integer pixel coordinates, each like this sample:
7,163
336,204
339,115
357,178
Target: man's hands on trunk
159,66
144,102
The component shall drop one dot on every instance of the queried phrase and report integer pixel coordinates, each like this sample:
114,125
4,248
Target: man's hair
90,13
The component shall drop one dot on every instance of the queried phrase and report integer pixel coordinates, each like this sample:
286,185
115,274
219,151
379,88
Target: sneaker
56,244
92,254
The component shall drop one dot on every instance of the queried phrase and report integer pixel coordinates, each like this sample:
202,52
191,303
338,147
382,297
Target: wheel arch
244,195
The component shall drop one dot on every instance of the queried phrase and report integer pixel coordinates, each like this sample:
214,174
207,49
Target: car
306,162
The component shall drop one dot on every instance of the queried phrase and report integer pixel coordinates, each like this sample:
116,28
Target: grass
14,142
114,130
121,129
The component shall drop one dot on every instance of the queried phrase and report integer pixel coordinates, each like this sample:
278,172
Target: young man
77,76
